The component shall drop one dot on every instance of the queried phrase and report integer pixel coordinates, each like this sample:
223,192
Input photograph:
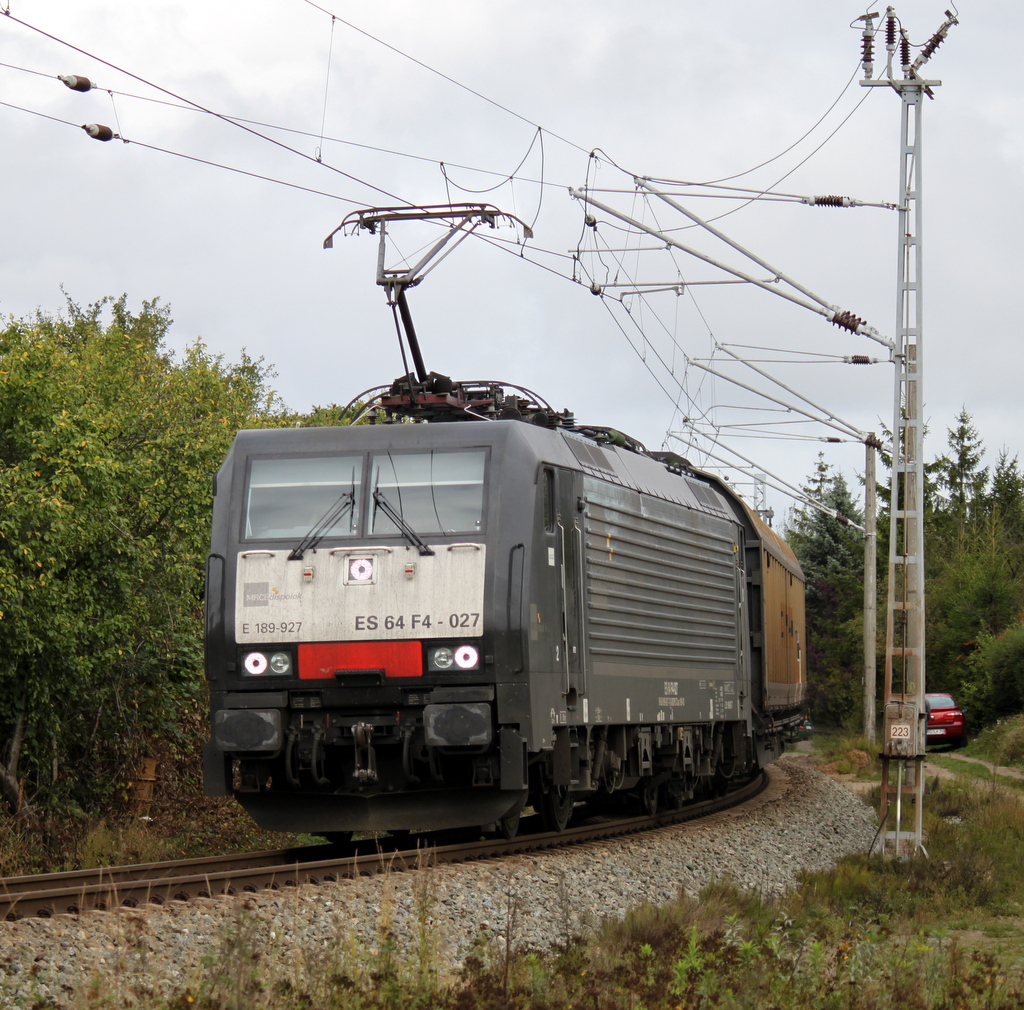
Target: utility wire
444,76
327,88
798,165
191,157
202,108
795,143
505,179
758,194
241,125
321,136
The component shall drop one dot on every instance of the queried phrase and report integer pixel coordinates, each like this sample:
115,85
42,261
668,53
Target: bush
995,688
109,445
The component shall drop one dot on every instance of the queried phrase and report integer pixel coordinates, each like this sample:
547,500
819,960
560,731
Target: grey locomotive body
417,626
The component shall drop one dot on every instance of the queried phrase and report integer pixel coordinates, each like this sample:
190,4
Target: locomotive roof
637,471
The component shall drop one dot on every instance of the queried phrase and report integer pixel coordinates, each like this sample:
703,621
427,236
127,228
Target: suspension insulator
831,201
847,320
74,82
930,46
860,359
904,51
99,132
890,30
867,48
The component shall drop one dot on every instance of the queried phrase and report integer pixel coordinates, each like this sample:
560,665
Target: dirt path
1012,773
931,770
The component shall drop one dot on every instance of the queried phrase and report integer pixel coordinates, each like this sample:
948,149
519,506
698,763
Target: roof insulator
99,132
75,83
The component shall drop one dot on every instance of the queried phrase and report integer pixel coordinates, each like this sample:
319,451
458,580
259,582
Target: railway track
78,891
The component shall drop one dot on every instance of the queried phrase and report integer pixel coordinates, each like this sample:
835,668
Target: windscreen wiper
408,532
330,518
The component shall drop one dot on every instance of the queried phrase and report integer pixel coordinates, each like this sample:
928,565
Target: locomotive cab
356,654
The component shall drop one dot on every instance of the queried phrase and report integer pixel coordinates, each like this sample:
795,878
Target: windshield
289,497
433,492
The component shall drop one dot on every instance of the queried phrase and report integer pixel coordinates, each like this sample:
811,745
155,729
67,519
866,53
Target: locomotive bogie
418,626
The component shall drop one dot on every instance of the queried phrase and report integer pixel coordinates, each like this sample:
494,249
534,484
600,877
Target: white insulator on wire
830,201
98,131
75,82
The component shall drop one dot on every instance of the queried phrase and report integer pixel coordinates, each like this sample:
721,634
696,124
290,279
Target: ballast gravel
433,916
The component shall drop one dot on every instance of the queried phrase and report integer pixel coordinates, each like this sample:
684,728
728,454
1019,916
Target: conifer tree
831,554
962,479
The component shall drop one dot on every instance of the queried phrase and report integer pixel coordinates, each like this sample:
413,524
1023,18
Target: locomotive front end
352,654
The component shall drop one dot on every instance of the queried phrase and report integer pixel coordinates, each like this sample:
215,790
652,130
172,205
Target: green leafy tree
831,554
993,686
107,449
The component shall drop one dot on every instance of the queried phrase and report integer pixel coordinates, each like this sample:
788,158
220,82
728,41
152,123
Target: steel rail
46,895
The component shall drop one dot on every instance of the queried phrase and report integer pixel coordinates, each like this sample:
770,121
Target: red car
945,720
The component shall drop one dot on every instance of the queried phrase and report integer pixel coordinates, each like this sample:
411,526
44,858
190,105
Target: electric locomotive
422,625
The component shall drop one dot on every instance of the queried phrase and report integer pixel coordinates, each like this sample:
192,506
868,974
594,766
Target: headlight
360,570
453,657
259,664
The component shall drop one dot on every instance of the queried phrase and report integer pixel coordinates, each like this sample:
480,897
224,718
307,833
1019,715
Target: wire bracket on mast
779,284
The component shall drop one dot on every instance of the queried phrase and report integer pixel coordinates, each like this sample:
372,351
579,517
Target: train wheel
719,784
508,826
649,798
556,808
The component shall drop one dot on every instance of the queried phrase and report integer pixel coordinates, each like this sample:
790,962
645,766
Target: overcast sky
678,90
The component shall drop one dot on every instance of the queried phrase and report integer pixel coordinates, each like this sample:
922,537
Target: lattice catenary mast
905,717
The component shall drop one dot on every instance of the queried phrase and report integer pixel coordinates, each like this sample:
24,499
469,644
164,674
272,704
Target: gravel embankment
804,820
